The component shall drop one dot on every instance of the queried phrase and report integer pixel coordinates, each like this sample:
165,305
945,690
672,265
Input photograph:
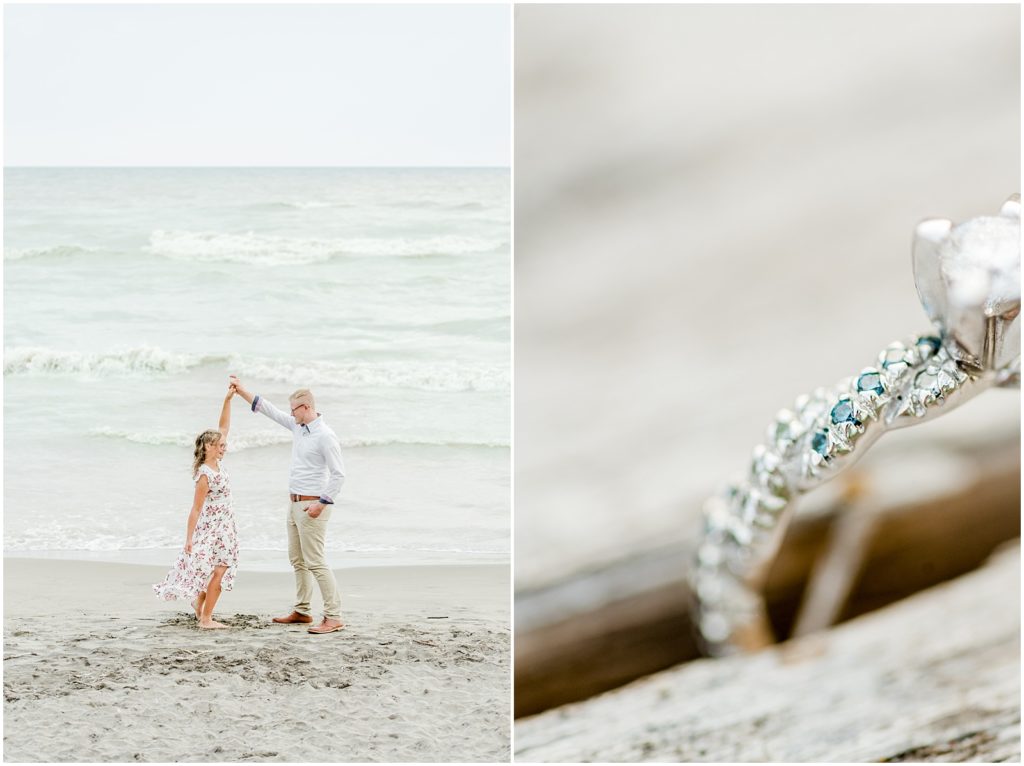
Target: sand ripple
151,689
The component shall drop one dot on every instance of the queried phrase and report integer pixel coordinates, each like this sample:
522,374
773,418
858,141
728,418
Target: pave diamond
870,382
928,345
819,443
843,413
812,408
894,359
785,431
714,626
709,555
928,380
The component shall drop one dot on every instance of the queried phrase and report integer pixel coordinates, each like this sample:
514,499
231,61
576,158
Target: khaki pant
306,552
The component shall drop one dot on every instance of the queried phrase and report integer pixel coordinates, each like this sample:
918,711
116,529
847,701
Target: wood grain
935,677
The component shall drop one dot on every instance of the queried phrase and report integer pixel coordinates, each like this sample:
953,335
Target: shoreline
269,560
64,586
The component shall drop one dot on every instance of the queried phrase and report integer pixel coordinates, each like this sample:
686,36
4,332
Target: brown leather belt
299,498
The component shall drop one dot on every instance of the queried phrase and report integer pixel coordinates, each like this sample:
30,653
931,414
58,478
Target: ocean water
131,294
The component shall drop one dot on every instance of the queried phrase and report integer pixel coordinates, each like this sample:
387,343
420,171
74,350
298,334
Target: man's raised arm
259,404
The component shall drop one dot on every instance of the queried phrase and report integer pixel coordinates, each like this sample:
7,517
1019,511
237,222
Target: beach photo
257,383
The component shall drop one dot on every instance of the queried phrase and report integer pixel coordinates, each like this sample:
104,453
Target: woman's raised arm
225,412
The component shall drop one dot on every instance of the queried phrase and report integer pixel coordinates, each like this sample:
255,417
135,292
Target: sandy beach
97,669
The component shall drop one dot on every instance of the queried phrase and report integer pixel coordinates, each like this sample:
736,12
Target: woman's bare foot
213,625
198,605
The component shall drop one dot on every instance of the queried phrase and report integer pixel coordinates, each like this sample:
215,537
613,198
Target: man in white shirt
316,476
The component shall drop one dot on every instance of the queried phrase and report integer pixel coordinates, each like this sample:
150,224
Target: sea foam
268,250
149,361
236,442
241,442
142,360
56,251
425,376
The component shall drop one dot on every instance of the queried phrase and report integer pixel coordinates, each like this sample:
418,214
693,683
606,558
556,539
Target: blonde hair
204,440
305,396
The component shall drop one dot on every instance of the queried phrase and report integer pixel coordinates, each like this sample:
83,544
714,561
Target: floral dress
214,543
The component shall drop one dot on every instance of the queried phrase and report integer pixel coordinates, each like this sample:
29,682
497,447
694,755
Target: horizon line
282,167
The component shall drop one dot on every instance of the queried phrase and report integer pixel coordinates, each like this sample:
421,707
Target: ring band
968,278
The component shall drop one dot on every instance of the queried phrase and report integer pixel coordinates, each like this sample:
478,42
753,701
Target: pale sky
257,85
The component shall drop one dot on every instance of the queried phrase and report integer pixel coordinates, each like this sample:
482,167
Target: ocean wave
310,205
143,360
245,441
67,540
236,443
428,204
425,376
421,442
57,251
404,204
300,205
492,326
268,250
148,361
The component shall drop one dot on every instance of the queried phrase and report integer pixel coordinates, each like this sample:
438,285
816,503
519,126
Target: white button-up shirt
317,468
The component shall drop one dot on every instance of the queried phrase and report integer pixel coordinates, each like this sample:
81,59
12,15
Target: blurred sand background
714,209
96,670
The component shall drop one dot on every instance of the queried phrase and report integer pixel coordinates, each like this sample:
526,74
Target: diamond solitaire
968,278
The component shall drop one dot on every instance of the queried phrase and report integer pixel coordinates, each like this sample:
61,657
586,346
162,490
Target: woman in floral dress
206,565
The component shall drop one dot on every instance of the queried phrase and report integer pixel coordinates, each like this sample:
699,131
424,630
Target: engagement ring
968,279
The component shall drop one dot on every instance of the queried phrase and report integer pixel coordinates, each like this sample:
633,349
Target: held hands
235,386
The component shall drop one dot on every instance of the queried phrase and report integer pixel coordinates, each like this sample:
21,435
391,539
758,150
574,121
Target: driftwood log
616,623
935,677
